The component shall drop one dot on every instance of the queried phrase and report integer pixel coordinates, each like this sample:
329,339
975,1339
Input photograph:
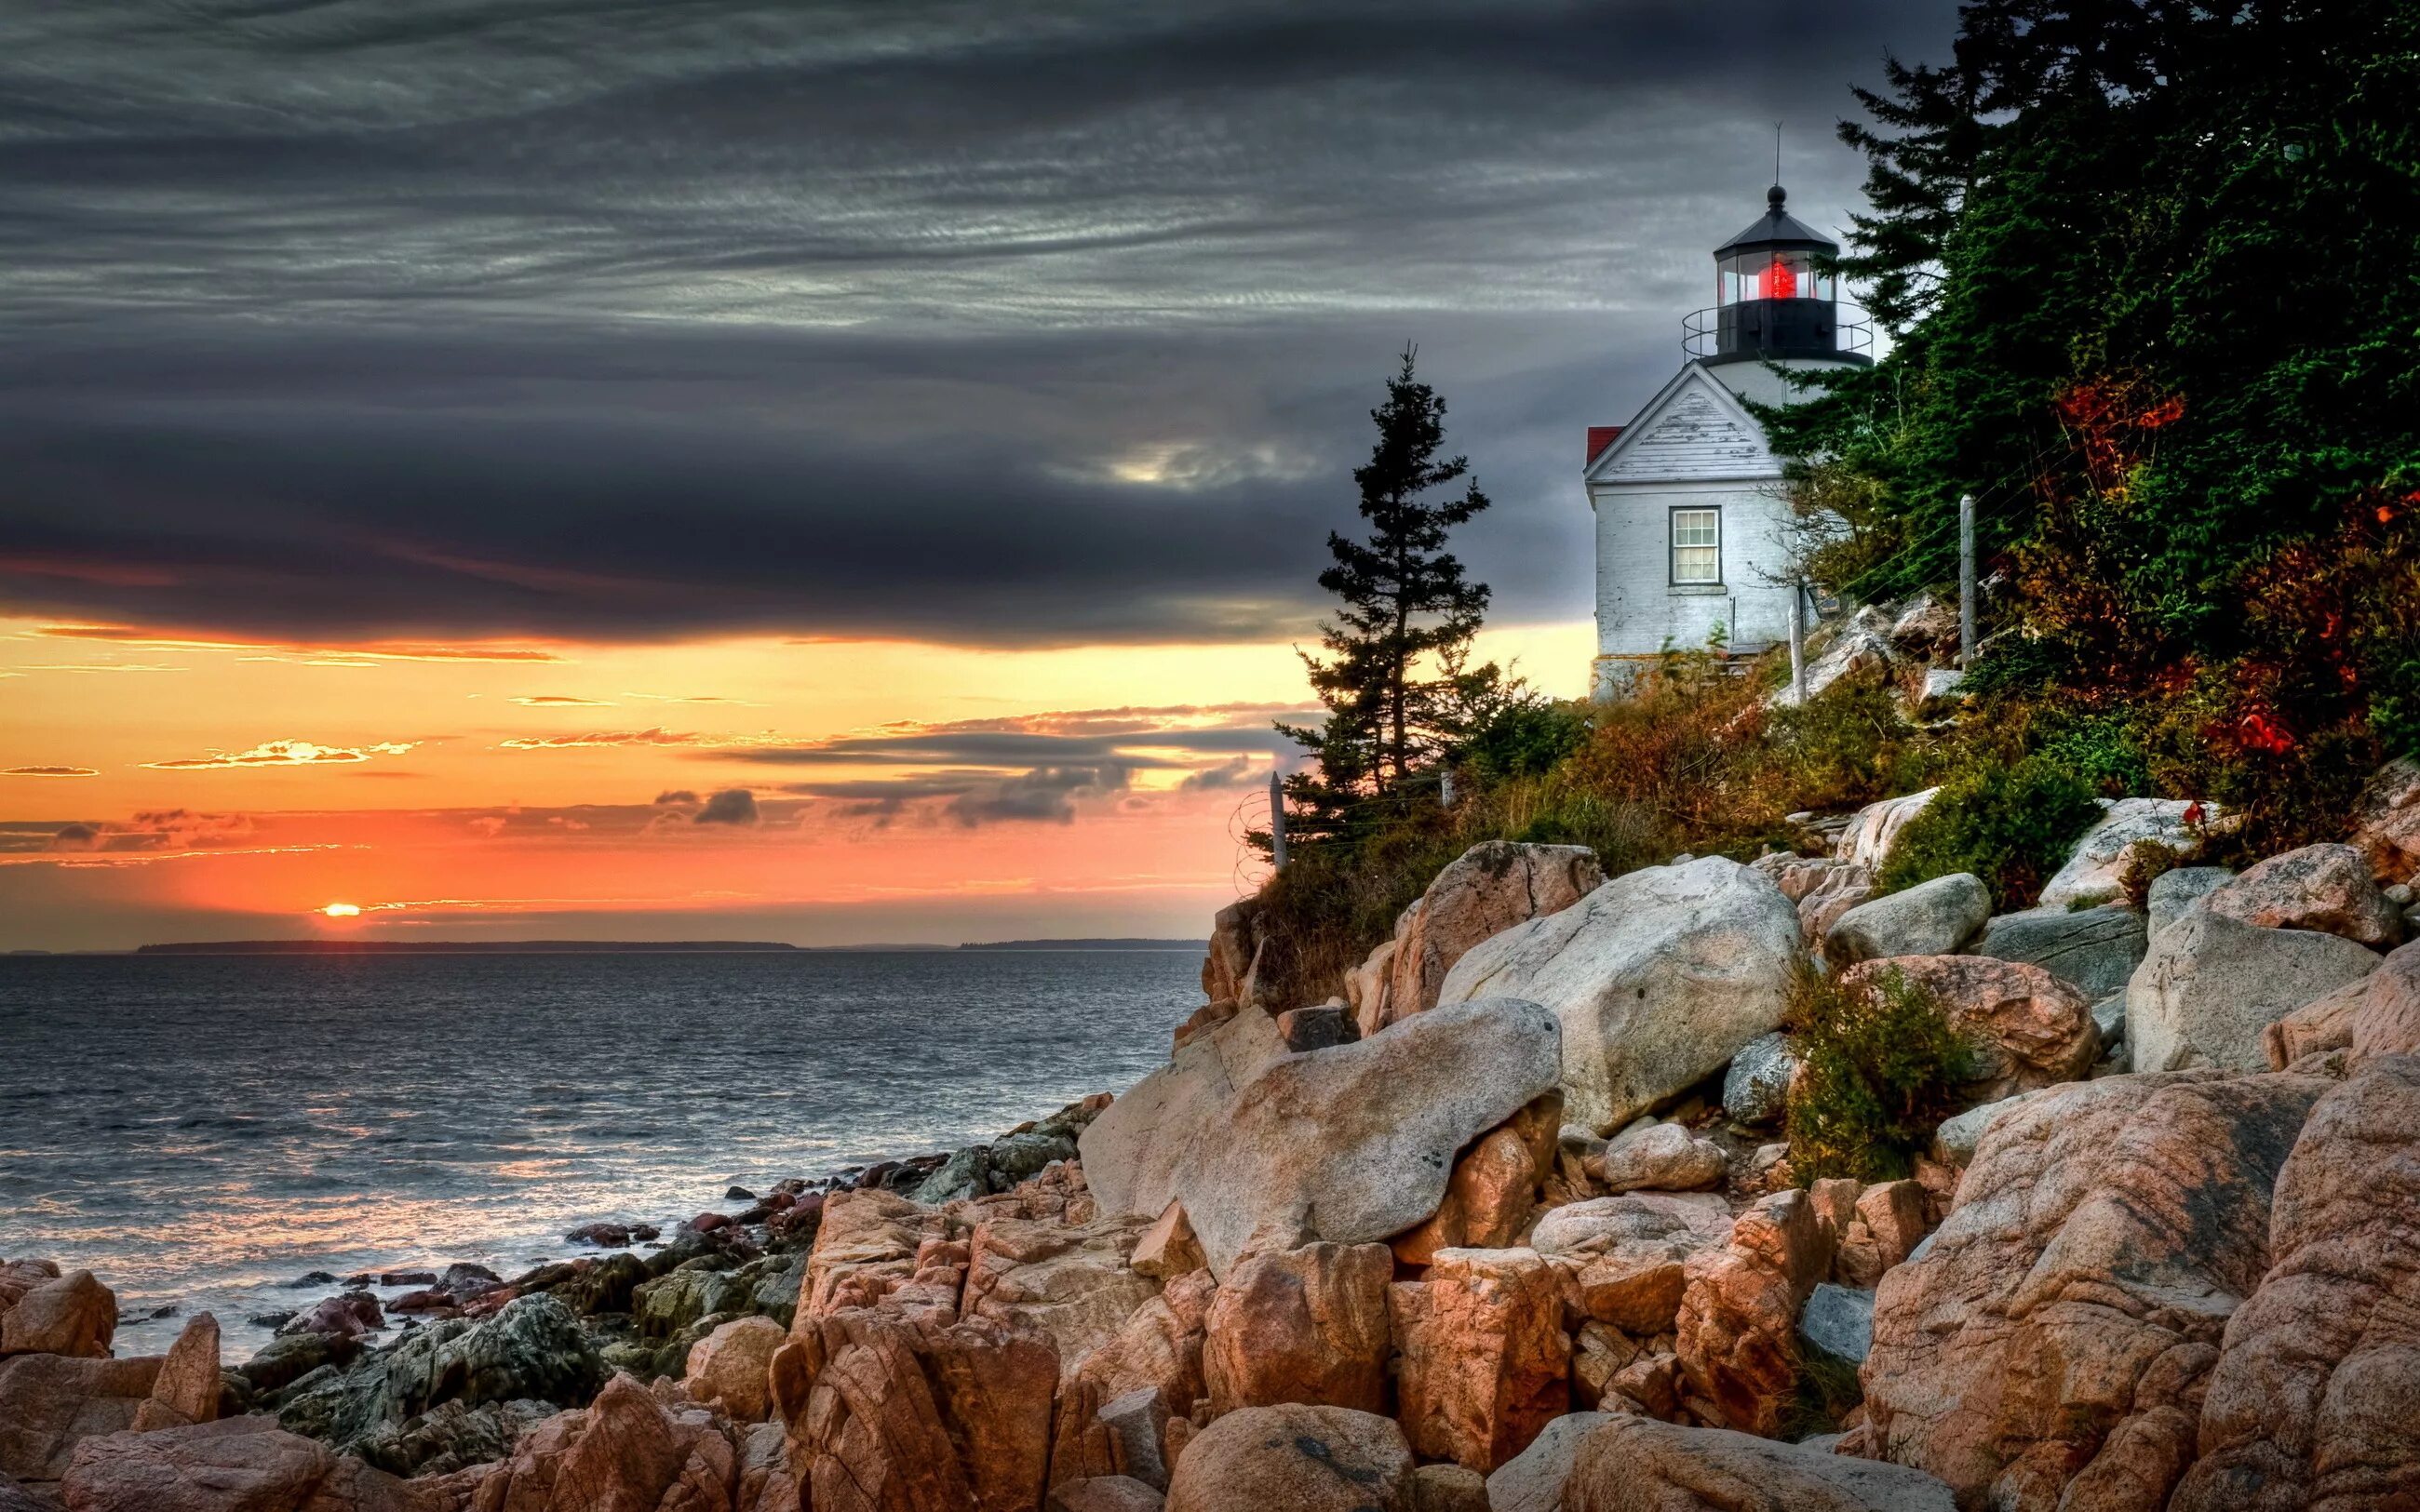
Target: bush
2010,824
1528,736
1880,1069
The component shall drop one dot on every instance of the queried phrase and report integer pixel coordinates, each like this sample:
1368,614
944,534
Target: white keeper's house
1690,522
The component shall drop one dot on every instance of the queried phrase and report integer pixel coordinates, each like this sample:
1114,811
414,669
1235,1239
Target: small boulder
2095,872
965,1174
1736,1330
1637,1464
1358,1143
1300,1459
1631,1253
1167,1248
1873,829
1532,1480
73,1315
2174,891
2092,950
234,1465
1314,1029
1486,890
1485,1363
346,1315
1132,1152
1104,1493
1838,1322
1663,1157
1755,1089
1658,977
1932,917
187,1389
2322,887
1305,1325
2211,985
2026,1027
626,1451
727,1369
2386,821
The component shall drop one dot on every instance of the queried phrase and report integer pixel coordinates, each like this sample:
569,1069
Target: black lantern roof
1776,231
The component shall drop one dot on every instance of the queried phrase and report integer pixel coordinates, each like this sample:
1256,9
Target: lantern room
1772,299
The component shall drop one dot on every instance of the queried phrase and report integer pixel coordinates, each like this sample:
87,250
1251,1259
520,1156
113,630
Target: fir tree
1395,679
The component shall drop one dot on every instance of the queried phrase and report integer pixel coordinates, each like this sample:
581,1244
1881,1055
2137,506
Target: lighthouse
1692,530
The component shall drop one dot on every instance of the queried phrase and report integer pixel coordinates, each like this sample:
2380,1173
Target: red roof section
1600,436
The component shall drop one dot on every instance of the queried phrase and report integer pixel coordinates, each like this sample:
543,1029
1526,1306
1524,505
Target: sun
342,910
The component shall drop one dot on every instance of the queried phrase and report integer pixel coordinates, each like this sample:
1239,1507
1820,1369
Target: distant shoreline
352,948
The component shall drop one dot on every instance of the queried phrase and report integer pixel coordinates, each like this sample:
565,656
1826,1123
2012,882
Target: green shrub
1880,1069
2105,749
2012,825
1527,737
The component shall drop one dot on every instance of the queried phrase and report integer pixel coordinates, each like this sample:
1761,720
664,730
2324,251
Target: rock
1847,888
1485,1363
2211,985
867,1244
2174,891
1447,1489
1838,1322
2316,1391
1932,917
48,1402
1358,1143
2095,869
1158,1350
1136,1424
1314,1029
891,1410
728,1368
2053,1333
1664,1158
1636,1464
1020,1157
1755,1089
695,1291
1307,1325
1940,683
1487,889
533,1349
2092,950
187,1389
243,1464
451,1437
624,1453
2321,887
604,1235
1859,644
1365,985
1494,1188
73,1315
2109,1018
1897,1216
1533,1481
2387,1022
1631,1253
1300,1459
1736,1330
2386,821
1874,829
348,1315
2324,1024
1167,1248
1069,1283
2026,1027
13,1499
17,1278
1105,1493
965,1174
1658,979
1957,1137
1132,1152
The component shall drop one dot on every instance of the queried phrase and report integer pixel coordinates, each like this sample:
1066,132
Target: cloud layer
1006,325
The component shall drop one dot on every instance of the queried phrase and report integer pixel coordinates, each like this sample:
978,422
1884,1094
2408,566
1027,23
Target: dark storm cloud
1007,324
732,806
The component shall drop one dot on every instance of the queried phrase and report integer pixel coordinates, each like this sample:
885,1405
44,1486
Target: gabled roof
1694,428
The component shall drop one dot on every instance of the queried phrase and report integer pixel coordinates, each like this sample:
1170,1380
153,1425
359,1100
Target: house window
1696,546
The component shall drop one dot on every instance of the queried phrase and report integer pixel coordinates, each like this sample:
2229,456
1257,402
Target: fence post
1277,822
1967,579
1798,642
1445,787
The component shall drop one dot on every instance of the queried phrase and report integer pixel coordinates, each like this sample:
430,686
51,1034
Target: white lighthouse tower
1691,528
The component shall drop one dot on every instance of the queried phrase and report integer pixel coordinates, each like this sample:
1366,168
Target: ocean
199,1132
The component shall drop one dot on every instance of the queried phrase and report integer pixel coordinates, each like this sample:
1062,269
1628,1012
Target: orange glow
473,796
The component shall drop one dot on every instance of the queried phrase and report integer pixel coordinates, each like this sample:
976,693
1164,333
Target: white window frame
1673,547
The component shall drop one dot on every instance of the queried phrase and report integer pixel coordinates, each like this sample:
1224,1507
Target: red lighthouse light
1779,283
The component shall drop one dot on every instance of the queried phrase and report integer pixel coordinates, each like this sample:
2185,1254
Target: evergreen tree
1395,679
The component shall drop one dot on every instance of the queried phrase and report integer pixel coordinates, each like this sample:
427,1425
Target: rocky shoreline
1510,1222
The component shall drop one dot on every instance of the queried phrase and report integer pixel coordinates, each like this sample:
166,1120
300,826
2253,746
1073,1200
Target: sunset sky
804,471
